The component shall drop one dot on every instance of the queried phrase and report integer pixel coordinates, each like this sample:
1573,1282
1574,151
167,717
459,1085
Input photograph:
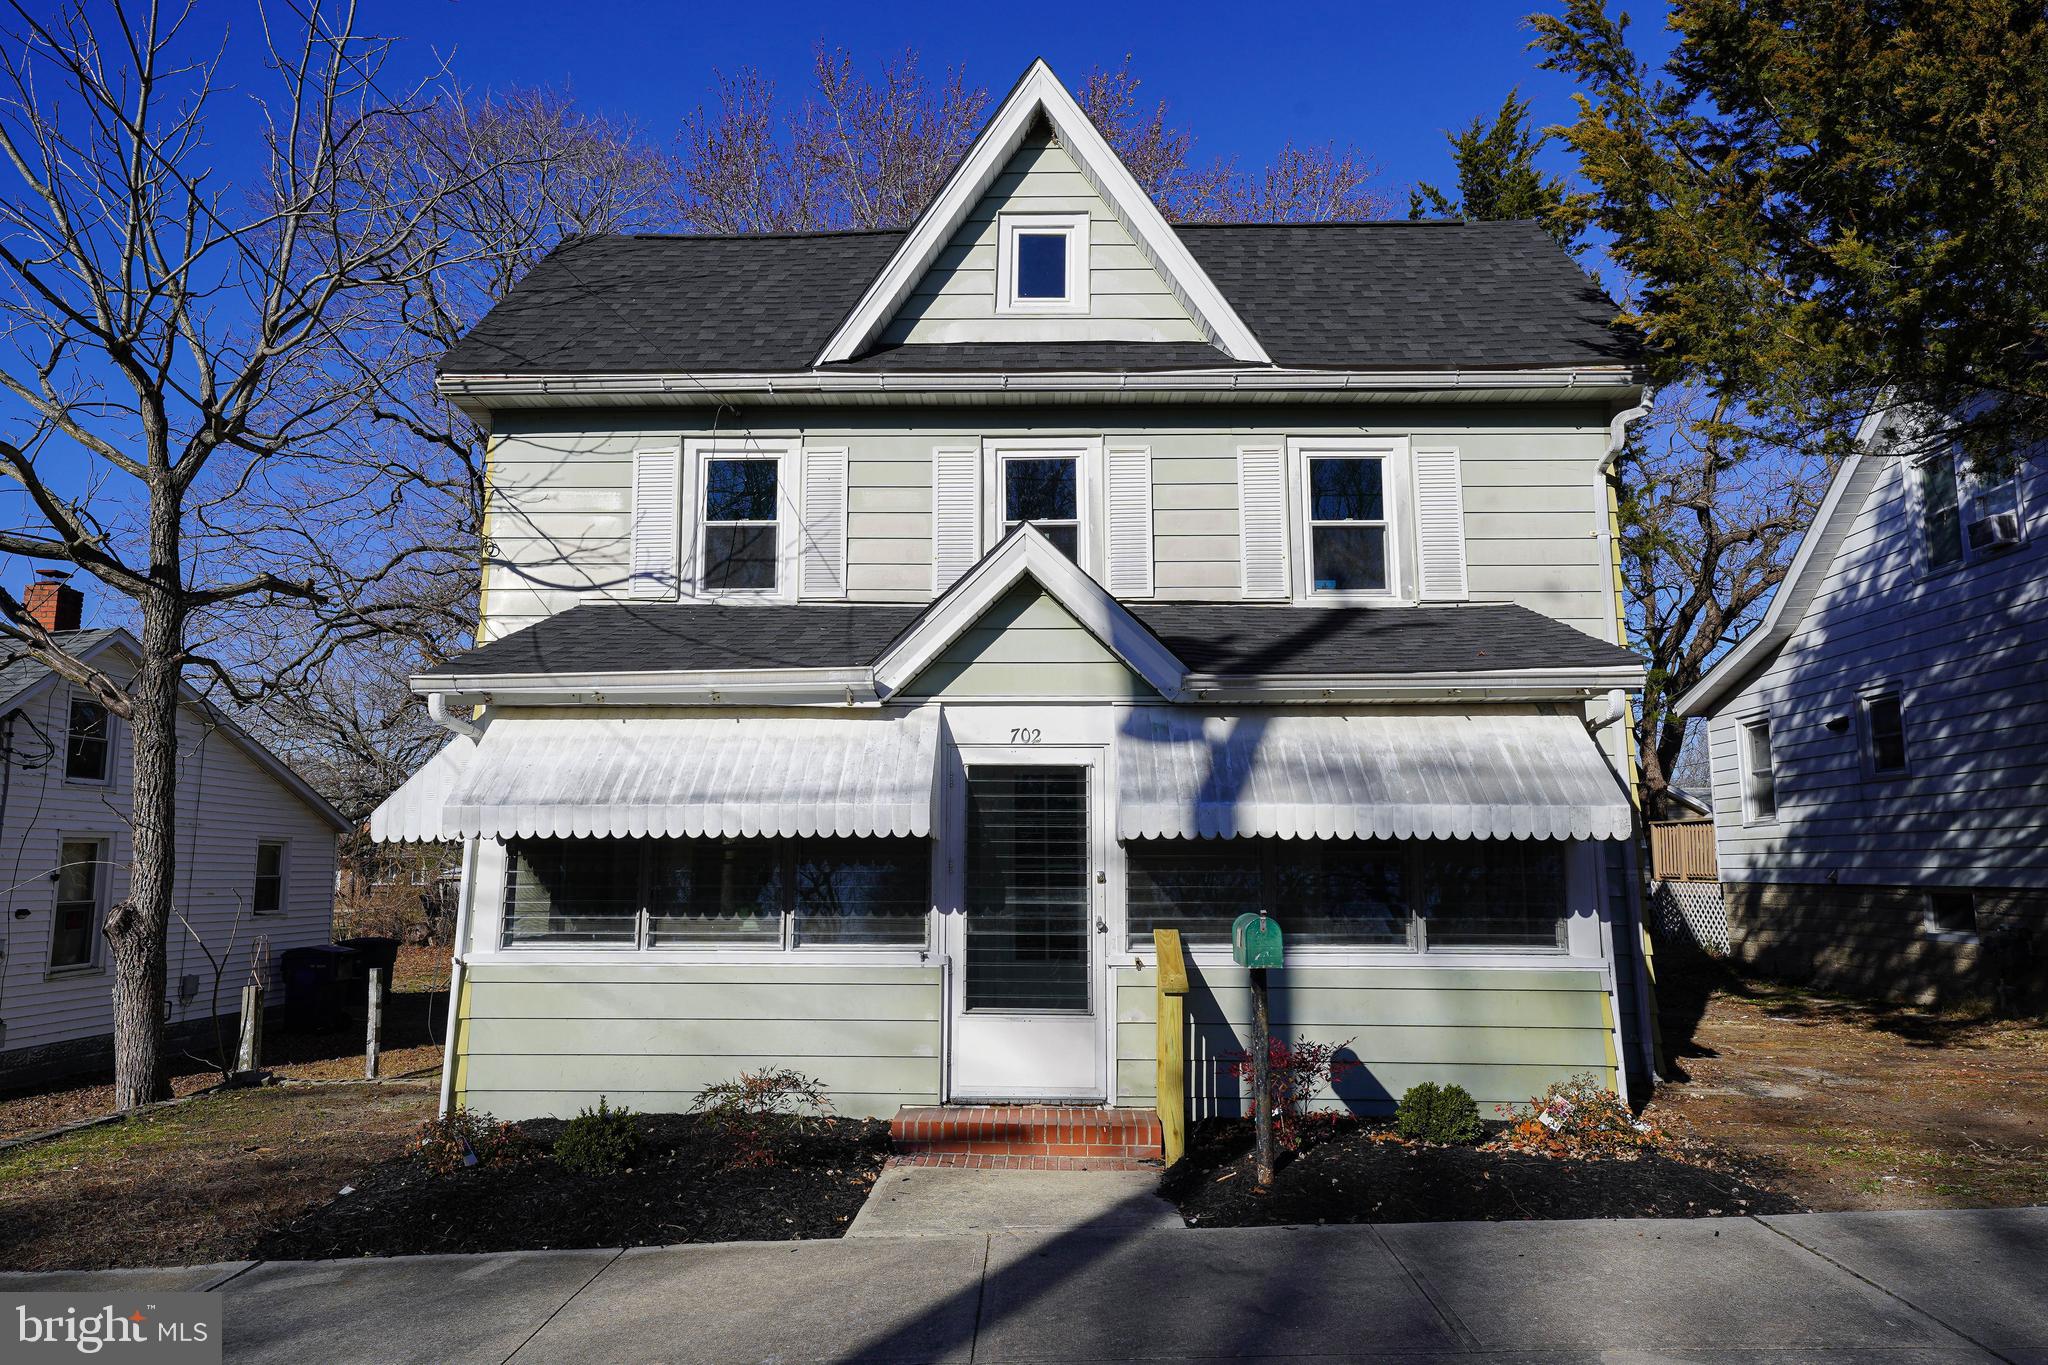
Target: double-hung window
81,898
717,892
1759,775
1966,514
1044,490
742,550
1884,734
267,894
1347,525
88,742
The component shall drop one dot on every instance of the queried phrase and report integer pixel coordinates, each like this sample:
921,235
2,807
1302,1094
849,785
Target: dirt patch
679,1191
197,1181
1854,1104
1362,1173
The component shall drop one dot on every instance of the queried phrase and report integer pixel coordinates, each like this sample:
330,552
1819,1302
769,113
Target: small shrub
1300,1071
1578,1117
462,1138
1437,1113
600,1141
763,1114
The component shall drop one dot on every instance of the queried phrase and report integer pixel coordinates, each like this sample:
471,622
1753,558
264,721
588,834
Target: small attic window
1042,263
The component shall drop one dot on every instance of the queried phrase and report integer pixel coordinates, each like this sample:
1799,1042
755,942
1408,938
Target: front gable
959,299
1040,154
1028,645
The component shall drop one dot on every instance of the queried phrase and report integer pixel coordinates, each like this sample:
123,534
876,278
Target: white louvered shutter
657,512
1262,519
1129,549
956,513
824,523
1440,524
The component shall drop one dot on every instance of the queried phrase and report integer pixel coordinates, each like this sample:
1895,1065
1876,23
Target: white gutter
708,387
455,973
437,711
1561,684
841,687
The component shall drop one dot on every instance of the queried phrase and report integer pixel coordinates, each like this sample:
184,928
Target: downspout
437,711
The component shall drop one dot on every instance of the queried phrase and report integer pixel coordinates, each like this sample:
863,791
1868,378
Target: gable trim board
1851,488
1039,93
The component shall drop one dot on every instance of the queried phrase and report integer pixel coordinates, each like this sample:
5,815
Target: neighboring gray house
1880,741
884,632
255,856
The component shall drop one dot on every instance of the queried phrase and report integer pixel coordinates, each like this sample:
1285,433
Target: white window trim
1929,929
1866,733
1968,487
284,878
1743,726
101,889
697,453
1074,227
71,698
1086,451
1397,482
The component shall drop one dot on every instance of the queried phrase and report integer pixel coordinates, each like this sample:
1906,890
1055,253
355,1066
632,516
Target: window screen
1347,513
572,891
714,891
1198,886
1493,893
862,890
740,535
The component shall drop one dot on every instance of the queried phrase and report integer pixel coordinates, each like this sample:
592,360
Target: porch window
1494,893
669,893
1353,893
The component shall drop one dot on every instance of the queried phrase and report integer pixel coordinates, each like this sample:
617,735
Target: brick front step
1026,1137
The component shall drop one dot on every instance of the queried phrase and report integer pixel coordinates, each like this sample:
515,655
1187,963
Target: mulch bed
1361,1173
680,1191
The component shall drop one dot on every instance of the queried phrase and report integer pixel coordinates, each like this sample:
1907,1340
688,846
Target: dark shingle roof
1217,638
1333,295
19,671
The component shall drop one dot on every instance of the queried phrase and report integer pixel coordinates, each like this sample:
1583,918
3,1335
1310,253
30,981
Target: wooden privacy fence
1683,851
1172,1075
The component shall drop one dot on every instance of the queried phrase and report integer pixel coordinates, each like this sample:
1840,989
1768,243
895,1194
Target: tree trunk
138,927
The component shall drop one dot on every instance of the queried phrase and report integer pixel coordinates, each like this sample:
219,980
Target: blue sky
1388,77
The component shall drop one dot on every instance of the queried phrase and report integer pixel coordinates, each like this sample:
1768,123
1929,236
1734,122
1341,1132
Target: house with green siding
885,634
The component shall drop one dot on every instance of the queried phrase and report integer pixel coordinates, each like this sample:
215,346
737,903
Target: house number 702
1024,736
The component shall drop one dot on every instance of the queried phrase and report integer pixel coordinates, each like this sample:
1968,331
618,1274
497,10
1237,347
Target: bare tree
177,338
1711,515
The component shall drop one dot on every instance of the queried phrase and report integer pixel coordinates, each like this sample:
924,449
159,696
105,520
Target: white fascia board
1026,552
841,687
1845,498
1039,91
1559,684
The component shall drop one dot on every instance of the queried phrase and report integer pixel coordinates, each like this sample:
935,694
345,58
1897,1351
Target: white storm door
1027,944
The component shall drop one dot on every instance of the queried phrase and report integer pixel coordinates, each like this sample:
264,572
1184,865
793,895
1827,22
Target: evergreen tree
1498,179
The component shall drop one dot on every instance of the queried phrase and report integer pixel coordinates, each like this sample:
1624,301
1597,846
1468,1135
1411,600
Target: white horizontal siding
1967,650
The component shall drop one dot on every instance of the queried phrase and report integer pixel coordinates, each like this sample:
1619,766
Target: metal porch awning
674,776
1402,776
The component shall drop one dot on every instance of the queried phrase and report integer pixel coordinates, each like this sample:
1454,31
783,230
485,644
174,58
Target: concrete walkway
1918,1287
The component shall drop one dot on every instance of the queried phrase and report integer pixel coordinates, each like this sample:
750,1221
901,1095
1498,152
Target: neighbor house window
667,893
1951,914
88,741
81,888
1045,491
1884,730
742,546
1353,893
1347,524
1042,263
1966,513
267,897
1759,780
1941,521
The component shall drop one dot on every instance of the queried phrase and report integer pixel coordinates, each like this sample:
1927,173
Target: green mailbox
1255,941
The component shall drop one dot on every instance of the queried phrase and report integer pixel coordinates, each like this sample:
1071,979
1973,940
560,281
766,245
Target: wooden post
249,1047
1262,1078
1171,1076
373,1024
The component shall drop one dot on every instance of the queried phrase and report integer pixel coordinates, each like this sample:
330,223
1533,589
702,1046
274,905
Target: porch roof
619,776
1407,776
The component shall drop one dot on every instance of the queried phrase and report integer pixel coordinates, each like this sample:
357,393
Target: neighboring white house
884,632
1880,741
255,850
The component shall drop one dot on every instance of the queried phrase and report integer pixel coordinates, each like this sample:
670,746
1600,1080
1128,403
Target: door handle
1101,925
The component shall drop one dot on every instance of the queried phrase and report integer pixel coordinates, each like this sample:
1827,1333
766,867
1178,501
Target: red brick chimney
52,602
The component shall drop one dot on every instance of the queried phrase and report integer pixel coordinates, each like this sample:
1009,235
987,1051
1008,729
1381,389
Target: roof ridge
806,234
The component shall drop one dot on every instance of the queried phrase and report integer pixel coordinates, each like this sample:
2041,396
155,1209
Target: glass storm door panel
1029,917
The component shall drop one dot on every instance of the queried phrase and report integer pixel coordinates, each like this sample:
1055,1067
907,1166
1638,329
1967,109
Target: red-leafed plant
761,1116
1300,1072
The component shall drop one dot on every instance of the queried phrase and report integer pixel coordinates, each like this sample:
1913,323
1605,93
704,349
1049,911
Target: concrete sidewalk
1949,1286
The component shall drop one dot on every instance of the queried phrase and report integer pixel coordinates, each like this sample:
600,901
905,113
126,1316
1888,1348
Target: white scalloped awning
1400,776
676,776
